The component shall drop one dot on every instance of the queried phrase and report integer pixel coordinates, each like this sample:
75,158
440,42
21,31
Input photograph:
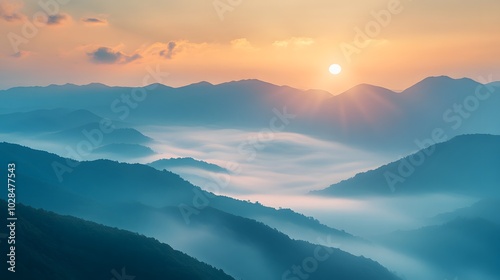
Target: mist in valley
279,172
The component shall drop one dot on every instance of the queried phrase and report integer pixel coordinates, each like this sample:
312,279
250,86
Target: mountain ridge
365,112
46,240
250,81
392,178
103,190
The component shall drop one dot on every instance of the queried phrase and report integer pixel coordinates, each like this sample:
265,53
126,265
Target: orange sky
290,42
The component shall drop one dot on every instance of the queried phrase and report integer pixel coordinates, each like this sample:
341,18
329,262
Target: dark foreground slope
50,246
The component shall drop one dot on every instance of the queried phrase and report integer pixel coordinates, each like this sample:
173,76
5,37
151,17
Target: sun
335,69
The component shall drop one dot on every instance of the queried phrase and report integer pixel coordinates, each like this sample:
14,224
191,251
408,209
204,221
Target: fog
278,163
203,244
278,170
272,163
368,216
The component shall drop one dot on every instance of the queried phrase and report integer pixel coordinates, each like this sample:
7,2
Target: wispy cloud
294,42
10,11
55,20
242,44
94,21
104,55
169,51
20,54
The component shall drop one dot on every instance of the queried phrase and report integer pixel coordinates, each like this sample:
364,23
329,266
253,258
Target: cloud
146,53
56,19
95,21
294,42
104,55
151,52
280,166
242,44
132,58
9,11
20,54
169,51
378,42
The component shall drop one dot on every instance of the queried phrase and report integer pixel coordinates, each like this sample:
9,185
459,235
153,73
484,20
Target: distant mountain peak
97,85
439,82
466,164
366,89
444,78
187,162
202,83
71,85
157,86
255,82
249,81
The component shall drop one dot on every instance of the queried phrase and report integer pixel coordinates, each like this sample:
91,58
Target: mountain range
464,165
365,116
45,240
445,127
212,228
173,163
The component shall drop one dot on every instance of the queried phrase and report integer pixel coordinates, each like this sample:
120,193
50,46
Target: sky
391,43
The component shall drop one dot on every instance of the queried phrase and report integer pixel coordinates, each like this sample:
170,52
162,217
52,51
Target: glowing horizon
390,43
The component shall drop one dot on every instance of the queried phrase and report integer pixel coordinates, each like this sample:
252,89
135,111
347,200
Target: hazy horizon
481,80
249,140
98,42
